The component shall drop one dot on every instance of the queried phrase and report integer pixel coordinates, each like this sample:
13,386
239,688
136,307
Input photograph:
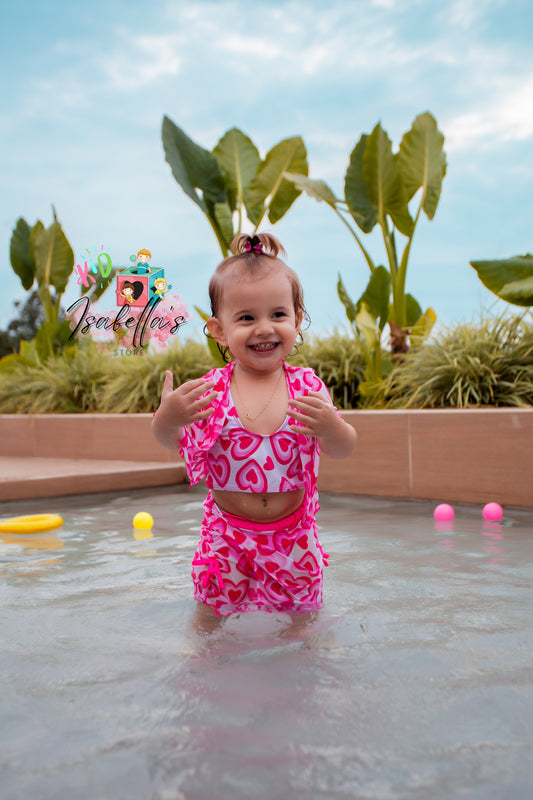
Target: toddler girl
252,430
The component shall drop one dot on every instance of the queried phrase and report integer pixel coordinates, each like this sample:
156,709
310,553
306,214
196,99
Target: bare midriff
259,507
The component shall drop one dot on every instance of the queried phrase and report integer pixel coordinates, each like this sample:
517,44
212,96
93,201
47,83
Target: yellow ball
143,521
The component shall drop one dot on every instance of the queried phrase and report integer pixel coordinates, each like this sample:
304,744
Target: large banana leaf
317,189
239,160
509,278
356,191
192,166
346,300
423,161
289,155
221,212
53,256
413,311
376,296
423,327
20,255
381,171
367,324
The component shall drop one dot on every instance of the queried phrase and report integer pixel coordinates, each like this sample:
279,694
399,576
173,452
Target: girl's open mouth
265,347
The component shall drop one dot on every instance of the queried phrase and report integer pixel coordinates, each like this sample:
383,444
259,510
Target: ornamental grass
489,363
70,382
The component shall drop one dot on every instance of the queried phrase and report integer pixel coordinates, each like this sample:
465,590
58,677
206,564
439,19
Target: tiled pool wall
471,455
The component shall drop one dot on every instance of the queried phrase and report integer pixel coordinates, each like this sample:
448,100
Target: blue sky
88,86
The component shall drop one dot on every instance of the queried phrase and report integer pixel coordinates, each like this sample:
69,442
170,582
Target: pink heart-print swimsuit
241,461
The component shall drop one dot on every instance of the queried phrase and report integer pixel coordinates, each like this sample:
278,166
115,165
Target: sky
89,83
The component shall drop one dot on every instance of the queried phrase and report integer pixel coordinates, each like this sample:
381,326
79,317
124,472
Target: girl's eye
280,314
245,317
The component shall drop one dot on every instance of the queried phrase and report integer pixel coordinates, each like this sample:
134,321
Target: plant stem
402,272
220,240
368,259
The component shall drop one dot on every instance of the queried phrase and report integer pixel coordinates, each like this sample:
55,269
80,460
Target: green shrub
338,361
84,379
470,365
68,382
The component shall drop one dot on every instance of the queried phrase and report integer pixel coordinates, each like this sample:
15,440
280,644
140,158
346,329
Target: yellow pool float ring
32,523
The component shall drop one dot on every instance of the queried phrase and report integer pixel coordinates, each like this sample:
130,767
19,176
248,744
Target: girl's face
256,320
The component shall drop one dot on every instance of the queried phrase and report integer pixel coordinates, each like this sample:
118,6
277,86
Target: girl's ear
215,330
299,319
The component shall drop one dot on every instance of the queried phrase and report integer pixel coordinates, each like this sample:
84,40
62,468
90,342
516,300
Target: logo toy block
135,287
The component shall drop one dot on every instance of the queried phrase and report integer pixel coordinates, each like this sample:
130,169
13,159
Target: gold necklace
252,419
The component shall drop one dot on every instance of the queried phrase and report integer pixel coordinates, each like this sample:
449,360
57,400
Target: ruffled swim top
242,461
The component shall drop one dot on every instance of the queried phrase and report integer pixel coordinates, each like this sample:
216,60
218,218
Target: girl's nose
263,327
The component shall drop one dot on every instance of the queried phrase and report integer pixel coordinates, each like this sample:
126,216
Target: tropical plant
44,256
511,279
231,183
470,365
379,185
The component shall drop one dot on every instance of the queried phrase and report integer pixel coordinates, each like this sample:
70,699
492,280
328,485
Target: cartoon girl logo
131,291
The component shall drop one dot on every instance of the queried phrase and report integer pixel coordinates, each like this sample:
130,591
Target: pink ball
492,512
444,513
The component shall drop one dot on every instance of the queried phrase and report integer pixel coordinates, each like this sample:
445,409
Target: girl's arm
320,418
180,407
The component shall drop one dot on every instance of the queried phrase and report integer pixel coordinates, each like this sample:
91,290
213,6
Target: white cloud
147,58
507,117
466,13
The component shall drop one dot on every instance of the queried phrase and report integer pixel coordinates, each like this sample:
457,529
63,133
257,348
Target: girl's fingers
202,414
195,389
168,383
203,401
301,429
310,411
310,401
298,415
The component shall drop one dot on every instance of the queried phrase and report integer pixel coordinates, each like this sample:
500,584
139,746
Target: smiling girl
253,430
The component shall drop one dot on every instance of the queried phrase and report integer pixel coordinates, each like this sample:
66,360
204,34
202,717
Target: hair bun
260,244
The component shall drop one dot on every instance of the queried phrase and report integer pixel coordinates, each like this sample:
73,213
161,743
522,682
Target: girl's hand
320,418
185,404
317,413
180,407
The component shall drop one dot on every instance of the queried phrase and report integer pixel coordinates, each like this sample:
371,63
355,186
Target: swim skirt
241,566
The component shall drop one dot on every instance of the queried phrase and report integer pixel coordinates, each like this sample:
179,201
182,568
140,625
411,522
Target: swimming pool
415,681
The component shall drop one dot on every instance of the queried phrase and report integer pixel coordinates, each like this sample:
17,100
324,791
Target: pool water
414,681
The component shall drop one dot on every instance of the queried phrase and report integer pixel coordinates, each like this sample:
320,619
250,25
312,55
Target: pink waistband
262,527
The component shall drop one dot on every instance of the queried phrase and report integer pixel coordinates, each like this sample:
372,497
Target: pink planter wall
473,456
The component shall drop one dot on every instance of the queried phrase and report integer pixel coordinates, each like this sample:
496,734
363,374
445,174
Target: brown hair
250,262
